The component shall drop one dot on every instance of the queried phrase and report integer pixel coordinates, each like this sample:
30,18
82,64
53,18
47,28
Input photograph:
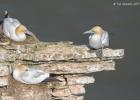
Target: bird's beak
88,32
32,34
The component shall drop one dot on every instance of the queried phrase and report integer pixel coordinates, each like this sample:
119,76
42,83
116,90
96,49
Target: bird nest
6,40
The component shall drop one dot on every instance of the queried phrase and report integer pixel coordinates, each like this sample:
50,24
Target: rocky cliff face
72,64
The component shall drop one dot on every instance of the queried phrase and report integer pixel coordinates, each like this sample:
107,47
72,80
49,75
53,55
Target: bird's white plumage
105,39
9,29
29,76
97,41
16,75
98,38
34,76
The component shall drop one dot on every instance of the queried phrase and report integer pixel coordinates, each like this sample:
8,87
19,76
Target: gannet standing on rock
27,75
98,38
13,29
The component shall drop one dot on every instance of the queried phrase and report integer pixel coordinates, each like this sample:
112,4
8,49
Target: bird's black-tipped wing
51,79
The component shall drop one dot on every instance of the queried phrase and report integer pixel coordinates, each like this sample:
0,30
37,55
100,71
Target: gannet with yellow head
98,38
26,75
13,29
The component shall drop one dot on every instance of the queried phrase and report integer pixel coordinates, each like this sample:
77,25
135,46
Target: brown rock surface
72,64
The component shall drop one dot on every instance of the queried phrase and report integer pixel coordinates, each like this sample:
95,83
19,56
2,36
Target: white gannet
27,75
98,38
13,29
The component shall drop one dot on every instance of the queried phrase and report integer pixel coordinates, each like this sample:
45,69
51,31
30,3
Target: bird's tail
51,79
6,15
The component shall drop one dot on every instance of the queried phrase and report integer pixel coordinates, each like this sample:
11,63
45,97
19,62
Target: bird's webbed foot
99,53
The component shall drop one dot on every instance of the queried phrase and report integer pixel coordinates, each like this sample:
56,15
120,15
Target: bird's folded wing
36,73
32,73
105,39
31,76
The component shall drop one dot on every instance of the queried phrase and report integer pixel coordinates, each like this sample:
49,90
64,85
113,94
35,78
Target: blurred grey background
66,20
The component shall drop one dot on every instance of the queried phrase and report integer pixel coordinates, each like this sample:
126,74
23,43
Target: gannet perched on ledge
98,38
13,29
27,75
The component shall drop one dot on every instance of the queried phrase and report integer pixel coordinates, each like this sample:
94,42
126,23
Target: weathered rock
61,92
77,89
57,51
4,81
6,98
67,91
4,70
79,80
71,97
114,54
77,67
67,62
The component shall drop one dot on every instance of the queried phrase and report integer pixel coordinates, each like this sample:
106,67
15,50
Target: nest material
5,40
